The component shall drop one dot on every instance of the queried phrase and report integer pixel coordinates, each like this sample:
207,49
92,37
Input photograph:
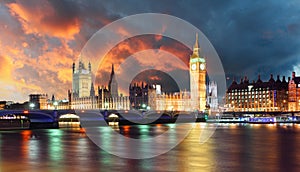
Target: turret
53,98
112,69
73,67
278,79
92,91
283,79
258,79
271,78
293,75
90,67
246,80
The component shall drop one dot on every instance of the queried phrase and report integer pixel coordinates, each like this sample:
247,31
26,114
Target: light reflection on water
233,147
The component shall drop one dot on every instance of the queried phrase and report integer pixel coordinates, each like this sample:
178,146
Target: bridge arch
68,120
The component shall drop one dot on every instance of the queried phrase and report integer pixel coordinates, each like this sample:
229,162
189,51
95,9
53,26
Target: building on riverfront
257,95
38,101
84,96
184,100
294,93
212,97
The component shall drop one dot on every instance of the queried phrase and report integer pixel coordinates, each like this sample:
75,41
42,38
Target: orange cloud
135,45
41,19
5,68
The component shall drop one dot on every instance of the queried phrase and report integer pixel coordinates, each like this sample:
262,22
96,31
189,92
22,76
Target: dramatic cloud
41,18
125,49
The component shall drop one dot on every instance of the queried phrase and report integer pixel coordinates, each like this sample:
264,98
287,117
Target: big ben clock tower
197,79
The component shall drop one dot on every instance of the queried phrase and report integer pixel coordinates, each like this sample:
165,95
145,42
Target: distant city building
257,95
294,93
5,104
57,104
83,94
19,106
212,97
38,101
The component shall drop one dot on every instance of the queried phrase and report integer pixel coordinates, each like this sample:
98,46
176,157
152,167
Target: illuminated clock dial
193,66
202,66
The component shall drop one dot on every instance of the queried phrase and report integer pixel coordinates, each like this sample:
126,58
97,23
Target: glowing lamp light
25,111
55,103
31,105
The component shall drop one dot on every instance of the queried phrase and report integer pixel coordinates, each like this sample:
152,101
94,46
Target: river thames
232,147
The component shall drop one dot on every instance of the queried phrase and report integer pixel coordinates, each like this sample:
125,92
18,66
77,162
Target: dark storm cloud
250,37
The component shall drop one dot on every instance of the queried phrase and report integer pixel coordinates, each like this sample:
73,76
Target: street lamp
31,105
55,104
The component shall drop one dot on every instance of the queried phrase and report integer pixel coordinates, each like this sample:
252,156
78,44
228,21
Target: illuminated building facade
257,96
83,95
58,104
38,101
171,102
294,93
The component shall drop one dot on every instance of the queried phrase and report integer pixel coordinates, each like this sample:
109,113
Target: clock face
202,66
193,66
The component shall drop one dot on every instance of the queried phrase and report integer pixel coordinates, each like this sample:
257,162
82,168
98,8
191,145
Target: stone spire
73,67
113,85
196,48
197,41
92,91
90,67
112,69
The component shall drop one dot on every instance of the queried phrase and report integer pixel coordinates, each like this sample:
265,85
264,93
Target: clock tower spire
196,46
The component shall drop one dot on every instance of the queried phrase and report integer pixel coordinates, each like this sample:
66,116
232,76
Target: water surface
233,147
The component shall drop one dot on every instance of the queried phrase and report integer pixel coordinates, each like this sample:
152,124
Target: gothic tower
113,85
81,80
197,78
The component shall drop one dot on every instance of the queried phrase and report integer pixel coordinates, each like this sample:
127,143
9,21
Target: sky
40,39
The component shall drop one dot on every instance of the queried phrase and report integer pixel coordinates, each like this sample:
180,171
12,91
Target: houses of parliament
146,96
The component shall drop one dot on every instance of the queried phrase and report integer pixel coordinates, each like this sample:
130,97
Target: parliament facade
84,96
